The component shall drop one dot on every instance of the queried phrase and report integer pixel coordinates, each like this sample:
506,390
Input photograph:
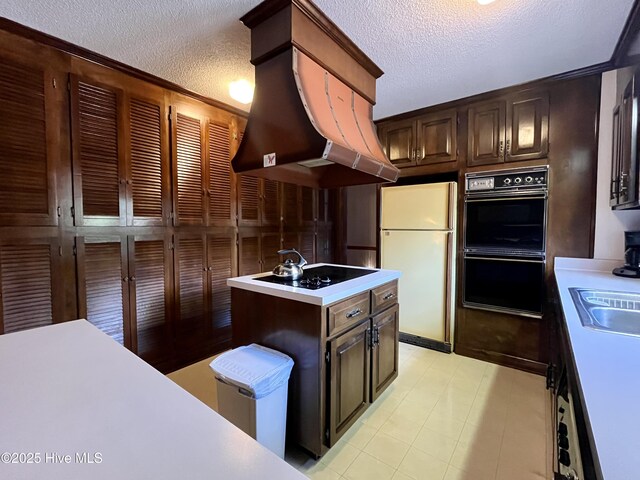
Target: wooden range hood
313,102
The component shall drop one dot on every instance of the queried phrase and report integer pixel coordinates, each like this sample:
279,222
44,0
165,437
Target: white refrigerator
418,224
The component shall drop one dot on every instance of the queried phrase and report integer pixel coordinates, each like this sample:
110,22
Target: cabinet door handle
388,296
508,148
501,149
368,339
376,336
354,313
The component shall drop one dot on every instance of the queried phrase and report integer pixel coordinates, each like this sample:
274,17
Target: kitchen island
343,339
75,405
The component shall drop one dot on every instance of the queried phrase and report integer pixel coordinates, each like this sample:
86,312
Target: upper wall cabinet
426,140
120,150
624,164
204,182
509,129
31,122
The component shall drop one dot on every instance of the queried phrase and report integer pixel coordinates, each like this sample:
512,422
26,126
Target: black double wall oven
504,240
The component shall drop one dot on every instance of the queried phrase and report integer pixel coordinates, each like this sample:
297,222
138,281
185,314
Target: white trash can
252,383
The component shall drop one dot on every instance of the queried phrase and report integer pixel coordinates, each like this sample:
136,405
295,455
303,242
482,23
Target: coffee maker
631,267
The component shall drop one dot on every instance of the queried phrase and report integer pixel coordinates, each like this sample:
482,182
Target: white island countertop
608,367
322,296
69,393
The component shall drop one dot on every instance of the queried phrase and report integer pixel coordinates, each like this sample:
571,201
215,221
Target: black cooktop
319,277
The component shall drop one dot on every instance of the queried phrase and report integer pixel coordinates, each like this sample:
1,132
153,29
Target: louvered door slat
221,253
98,150
191,266
189,169
249,200
24,189
26,280
308,196
146,159
307,242
270,203
103,277
150,311
270,246
220,176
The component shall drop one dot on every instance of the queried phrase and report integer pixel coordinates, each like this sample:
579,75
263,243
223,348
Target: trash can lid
255,368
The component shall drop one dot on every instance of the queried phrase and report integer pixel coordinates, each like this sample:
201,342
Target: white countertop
608,366
69,388
322,296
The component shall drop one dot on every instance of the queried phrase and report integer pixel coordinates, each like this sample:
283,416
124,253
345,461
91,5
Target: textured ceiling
431,51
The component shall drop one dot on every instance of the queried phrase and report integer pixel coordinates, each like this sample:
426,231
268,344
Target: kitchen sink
616,312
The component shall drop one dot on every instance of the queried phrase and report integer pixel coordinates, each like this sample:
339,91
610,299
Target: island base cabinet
384,354
350,377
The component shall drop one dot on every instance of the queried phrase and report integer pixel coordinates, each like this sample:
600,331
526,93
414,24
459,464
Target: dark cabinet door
249,253
222,182
384,356
307,245
189,167
349,379
290,205
324,245
30,284
628,146
149,194
308,206
30,126
486,133
191,278
399,142
99,170
103,286
437,138
151,285
528,126
248,201
221,255
270,203
616,153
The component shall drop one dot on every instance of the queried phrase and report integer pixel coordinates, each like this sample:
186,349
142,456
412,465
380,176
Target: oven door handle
504,199
494,259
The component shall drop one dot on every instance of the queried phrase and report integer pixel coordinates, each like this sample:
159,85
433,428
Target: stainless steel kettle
288,269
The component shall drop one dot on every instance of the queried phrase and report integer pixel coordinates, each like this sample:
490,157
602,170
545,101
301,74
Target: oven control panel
508,180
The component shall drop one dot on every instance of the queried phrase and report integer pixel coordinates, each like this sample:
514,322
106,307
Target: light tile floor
445,417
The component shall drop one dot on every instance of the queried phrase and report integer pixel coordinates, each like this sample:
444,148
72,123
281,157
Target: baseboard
524,364
425,342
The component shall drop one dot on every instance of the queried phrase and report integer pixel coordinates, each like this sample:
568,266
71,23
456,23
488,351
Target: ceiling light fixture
485,2
241,91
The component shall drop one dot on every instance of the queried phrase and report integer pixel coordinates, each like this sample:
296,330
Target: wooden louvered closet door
221,188
189,167
190,273
270,243
103,286
248,201
309,207
99,171
221,253
30,286
270,203
249,253
148,162
150,269
306,241
290,205
30,140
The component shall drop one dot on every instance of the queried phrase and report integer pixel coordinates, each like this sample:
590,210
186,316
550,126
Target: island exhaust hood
311,118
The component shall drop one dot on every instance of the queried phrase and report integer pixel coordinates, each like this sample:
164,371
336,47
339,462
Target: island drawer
384,296
347,313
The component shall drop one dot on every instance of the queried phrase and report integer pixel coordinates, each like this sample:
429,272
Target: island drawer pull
389,296
353,313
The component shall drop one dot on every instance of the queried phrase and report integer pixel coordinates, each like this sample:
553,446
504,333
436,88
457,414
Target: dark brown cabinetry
429,139
384,361
509,129
624,162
